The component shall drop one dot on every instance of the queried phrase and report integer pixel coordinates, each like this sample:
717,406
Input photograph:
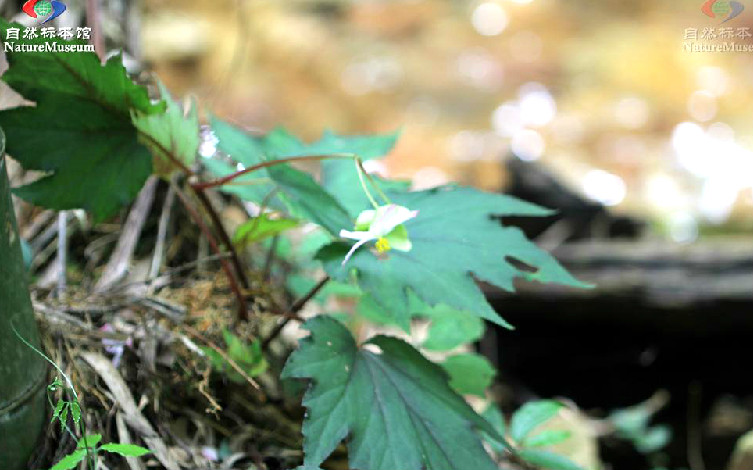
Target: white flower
385,225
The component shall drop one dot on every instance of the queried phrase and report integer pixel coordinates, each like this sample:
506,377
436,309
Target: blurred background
603,94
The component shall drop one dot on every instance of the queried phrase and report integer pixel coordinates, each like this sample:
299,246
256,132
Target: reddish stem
293,313
242,308
223,235
226,179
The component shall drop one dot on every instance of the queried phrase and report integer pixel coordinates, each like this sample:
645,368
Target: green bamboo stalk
22,371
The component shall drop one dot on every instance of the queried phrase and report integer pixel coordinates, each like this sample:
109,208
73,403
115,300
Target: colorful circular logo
50,9
722,8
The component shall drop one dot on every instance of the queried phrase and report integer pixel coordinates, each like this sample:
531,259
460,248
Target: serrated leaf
126,450
89,441
80,130
549,437
70,461
530,416
169,135
261,228
470,374
455,241
393,405
495,417
548,460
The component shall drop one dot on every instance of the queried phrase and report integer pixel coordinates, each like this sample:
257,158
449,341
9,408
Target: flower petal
389,217
353,250
357,235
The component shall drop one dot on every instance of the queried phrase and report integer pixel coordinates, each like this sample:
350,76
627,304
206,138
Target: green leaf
58,409
75,412
261,228
247,151
309,200
70,461
64,417
80,131
450,328
495,417
251,150
364,146
530,416
455,241
549,437
89,441
373,311
170,135
340,178
470,374
126,450
548,460
393,405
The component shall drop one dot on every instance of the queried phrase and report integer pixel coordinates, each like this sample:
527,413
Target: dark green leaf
309,200
455,241
126,450
80,131
89,441
70,461
170,136
393,405
548,460
530,416
549,437
470,374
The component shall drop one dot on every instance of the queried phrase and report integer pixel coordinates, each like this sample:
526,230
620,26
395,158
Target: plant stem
224,237
306,158
242,308
92,19
297,306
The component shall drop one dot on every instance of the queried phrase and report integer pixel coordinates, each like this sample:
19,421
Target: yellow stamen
382,245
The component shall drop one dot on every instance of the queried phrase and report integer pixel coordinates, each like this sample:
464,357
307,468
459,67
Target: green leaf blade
395,405
530,416
455,241
470,374
126,450
80,131
70,461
